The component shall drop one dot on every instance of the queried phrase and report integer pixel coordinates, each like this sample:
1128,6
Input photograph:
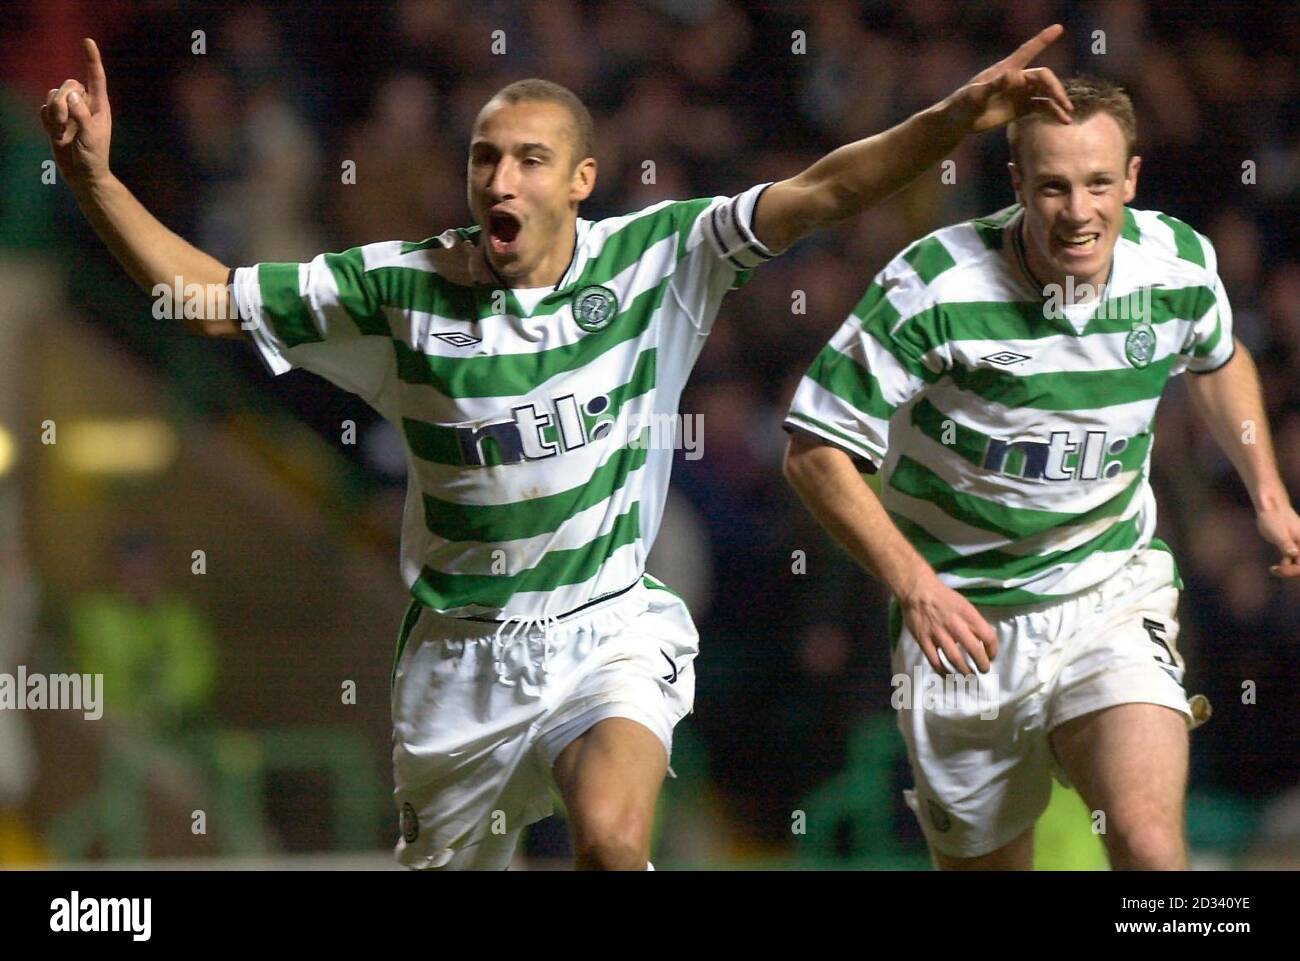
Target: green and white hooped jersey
1013,434
534,419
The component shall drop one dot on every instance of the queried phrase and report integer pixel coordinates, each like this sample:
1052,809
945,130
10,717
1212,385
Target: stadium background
247,707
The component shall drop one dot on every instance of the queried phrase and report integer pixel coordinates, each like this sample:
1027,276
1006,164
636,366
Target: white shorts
980,754
482,709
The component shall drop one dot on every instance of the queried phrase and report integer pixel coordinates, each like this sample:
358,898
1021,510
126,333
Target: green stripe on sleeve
283,304
1185,240
904,340
1131,229
855,444
356,295
630,242
849,381
929,258
1208,346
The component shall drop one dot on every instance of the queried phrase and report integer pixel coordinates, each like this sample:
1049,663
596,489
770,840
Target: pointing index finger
96,81
1032,47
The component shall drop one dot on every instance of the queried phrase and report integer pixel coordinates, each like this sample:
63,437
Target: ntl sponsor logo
53,692
536,432
77,914
951,693
1062,458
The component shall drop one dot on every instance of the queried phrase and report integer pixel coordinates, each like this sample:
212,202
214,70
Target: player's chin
507,263
1081,264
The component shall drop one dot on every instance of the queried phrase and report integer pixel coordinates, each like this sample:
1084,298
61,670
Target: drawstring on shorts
522,656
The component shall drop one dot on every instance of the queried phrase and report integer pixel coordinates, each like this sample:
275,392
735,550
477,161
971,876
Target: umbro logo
458,339
1005,358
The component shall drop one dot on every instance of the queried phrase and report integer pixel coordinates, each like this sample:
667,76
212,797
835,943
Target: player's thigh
1018,855
980,759
1130,763
610,778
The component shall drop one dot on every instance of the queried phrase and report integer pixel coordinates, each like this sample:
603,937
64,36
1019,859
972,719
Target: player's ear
1131,179
583,181
1016,183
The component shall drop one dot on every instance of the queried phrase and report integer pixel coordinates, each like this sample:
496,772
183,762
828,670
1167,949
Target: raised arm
1231,403
939,618
859,175
79,122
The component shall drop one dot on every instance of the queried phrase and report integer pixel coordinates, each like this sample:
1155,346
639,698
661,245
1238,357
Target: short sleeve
719,251
1211,344
324,316
875,363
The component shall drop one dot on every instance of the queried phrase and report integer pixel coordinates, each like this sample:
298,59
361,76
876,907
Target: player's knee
610,853
609,836
1148,845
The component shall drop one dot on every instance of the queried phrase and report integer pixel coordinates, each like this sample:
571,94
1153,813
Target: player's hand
1010,89
79,123
1281,528
942,620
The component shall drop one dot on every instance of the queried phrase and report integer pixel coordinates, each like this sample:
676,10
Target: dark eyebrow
486,146
1090,176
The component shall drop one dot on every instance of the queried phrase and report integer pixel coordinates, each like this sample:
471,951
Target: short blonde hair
1090,96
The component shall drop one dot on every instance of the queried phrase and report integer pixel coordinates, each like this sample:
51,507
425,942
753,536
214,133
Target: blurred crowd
243,149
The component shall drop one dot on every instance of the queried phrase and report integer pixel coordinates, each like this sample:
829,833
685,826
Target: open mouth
1077,244
503,232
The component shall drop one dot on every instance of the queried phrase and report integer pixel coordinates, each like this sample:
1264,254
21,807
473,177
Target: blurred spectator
153,646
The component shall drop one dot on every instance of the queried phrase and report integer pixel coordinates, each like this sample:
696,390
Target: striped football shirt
1013,430
535,419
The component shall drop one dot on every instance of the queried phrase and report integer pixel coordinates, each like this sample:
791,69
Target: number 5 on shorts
1154,629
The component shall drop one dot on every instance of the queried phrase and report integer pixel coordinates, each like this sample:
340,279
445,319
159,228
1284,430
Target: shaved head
580,130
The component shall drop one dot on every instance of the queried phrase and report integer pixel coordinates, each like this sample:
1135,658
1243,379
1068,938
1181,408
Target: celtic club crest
410,823
1140,345
594,307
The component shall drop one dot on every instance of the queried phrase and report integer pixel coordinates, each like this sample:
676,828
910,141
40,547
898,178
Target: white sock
649,866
